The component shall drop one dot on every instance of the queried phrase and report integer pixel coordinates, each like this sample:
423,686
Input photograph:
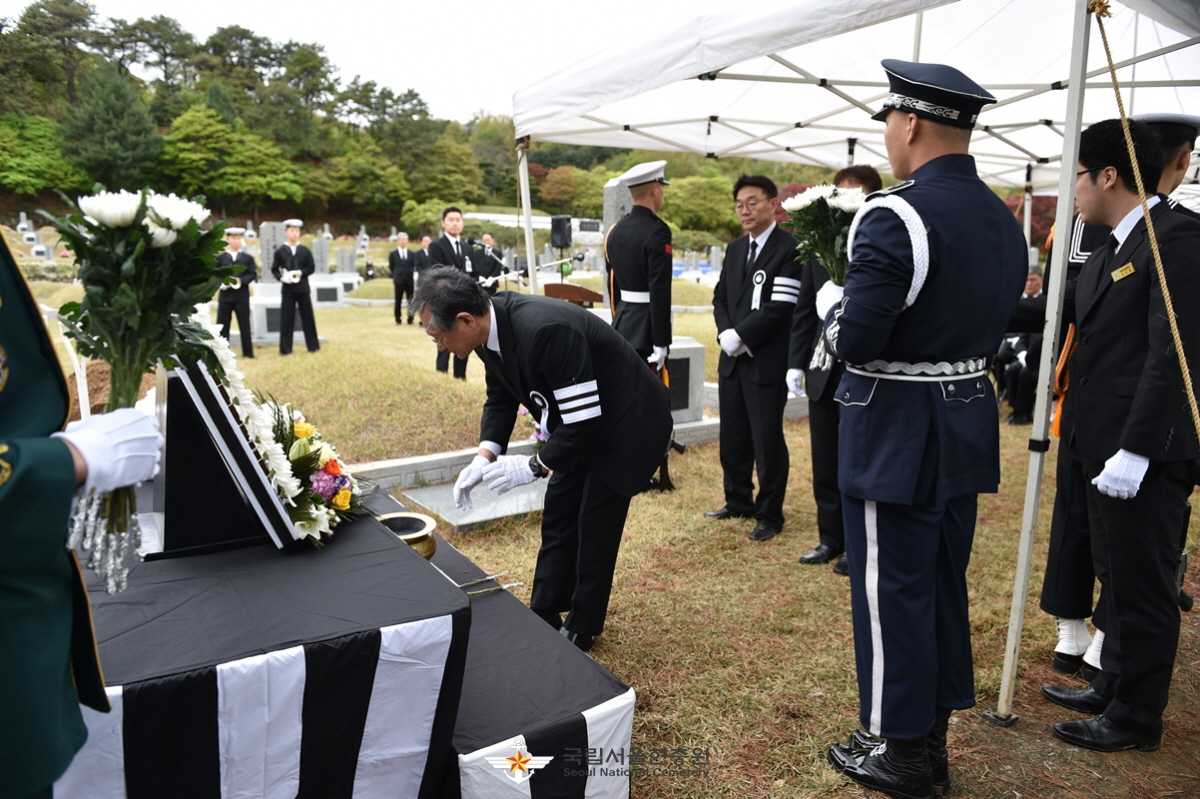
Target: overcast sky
471,58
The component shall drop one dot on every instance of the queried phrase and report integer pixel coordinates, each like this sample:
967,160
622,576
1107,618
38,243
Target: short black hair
1173,138
453,209
758,181
863,175
1103,145
448,291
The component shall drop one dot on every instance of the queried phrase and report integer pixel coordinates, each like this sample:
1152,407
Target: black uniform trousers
1070,579
403,288
460,364
908,594
823,417
290,301
1135,546
582,526
225,313
752,438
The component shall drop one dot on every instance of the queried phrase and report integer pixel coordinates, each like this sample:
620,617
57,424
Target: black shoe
584,642
726,513
1102,735
1088,672
1019,419
409,320
1067,664
764,532
841,567
823,553
899,769
1081,700
939,758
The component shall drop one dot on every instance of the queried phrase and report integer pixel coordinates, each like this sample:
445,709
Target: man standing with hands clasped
451,250
936,266
291,266
236,298
400,264
753,303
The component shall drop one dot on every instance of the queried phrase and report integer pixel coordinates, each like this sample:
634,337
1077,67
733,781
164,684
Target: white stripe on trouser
260,700
871,586
408,680
609,729
98,770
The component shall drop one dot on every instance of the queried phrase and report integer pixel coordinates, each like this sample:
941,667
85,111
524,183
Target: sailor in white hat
235,297
292,264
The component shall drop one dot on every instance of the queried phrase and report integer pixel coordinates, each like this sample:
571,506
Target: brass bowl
414,529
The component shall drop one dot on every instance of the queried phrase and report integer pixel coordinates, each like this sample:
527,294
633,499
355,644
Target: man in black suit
291,266
637,251
236,298
400,264
451,250
809,361
491,265
1126,417
1021,355
753,302
608,420
421,257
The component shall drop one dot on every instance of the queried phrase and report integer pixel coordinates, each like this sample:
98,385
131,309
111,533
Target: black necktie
458,250
753,252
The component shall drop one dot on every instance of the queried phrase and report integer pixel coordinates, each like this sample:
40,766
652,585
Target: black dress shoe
1067,664
726,513
841,567
1081,700
939,761
899,769
1102,735
764,532
1088,672
823,553
584,642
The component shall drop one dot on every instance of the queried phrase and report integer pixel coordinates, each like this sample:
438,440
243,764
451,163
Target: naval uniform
756,298
638,254
236,300
1127,393
919,436
609,424
445,251
822,373
49,663
295,295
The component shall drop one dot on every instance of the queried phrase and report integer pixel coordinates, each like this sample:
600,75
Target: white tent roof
795,80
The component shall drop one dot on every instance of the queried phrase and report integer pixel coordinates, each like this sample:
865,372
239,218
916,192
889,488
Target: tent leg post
1000,718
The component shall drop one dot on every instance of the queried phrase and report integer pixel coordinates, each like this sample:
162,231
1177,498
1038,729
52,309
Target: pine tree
220,101
109,134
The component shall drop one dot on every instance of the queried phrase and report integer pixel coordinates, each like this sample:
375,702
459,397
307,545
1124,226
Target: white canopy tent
797,80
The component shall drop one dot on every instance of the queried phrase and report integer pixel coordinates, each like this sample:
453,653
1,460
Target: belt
923,371
635,296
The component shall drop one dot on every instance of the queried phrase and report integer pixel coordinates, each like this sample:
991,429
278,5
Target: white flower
160,236
807,198
175,212
318,525
847,200
111,208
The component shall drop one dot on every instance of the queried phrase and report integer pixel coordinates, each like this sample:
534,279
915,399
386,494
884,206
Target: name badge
1122,273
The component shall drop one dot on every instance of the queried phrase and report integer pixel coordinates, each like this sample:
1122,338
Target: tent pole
523,175
916,56
1029,211
1040,441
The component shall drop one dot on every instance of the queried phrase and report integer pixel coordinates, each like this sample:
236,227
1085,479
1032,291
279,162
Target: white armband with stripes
785,289
579,402
916,234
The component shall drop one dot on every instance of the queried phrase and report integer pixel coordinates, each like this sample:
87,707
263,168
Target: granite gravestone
320,251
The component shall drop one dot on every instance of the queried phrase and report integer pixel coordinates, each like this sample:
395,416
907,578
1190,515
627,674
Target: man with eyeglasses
753,303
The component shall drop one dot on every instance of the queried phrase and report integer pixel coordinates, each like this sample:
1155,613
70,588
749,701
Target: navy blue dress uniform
49,663
236,300
445,251
757,299
822,374
609,423
937,264
1127,393
400,265
295,296
637,252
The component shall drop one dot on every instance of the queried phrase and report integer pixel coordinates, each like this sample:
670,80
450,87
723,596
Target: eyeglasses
749,205
1087,171
436,336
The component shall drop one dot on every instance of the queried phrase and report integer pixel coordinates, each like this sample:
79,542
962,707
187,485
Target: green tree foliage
31,158
319,190
255,169
364,178
574,191
218,99
699,203
425,217
60,29
108,134
554,155
493,140
32,81
449,170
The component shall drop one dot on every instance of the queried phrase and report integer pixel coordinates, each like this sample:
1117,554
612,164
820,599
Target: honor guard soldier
638,254
235,298
606,416
49,667
1127,419
291,266
936,266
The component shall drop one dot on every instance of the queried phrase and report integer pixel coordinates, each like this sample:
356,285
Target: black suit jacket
758,301
402,271
441,253
808,333
240,294
1126,388
606,412
421,260
285,261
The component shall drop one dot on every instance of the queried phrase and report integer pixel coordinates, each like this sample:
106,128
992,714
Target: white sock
1092,655
1073,636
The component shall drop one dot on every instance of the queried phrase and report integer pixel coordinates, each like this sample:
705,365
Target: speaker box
560,232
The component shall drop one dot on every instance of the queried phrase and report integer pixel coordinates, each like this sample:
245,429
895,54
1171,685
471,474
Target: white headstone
320,251
270,238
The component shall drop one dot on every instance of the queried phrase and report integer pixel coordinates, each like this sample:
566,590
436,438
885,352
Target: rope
1100,9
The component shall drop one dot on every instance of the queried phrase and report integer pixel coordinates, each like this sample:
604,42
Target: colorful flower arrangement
539,434
821,218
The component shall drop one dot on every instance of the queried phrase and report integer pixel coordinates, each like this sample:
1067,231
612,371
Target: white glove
731,342
297,275
468,478
828,296
120,448
1021,357
285,276
507,472
657,358
226,286
793,380
1122,475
